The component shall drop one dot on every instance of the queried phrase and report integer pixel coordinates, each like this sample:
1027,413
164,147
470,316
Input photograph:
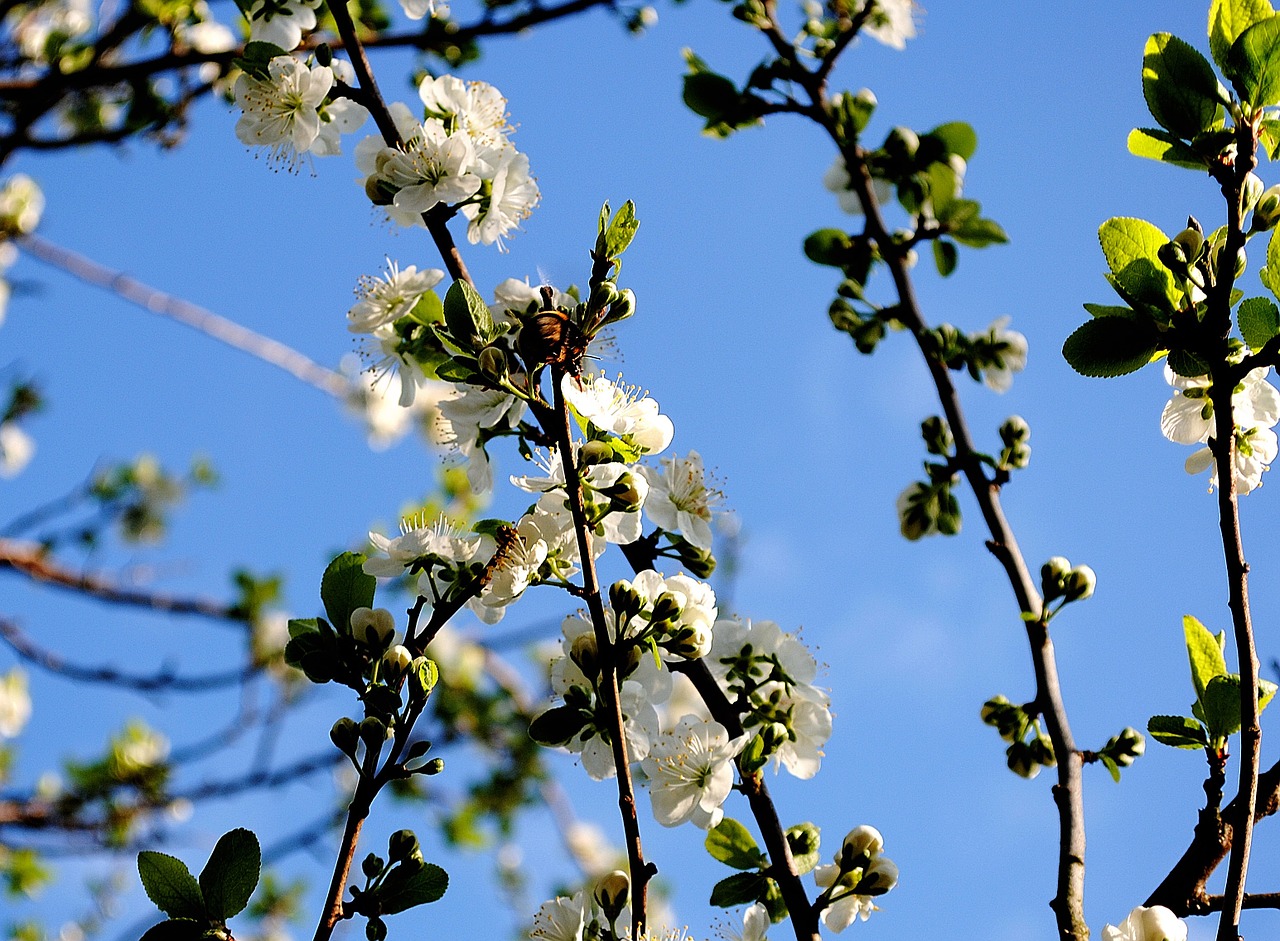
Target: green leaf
1222,706
1266,692
958,138
945,256
405,887
1110,764
1107,310
743,888
1130,247
710,96
621,230
828,247
804,840
1179,86
1253,63
1159,145
231,874
315,654
177,929
1228,19
1110,346
170,885
978,233
1187,364
1204,653
1259,321
345,587
1177,731
467,316
556,726
732,844
300,626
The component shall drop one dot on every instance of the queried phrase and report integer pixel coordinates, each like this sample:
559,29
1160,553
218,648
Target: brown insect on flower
551,336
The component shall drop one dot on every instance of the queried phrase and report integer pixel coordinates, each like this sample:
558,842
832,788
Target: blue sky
811,441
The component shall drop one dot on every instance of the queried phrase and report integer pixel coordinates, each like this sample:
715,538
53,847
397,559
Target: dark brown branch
30,560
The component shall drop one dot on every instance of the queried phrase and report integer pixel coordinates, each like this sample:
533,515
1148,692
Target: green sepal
1228,19
1111,346
231,874
1259,321
1180,88
1253,63
170,886
1178,731
557,726
804,840
732,844
177,929
407,886
1162,146
743,888
345,587
1131,248
1204,651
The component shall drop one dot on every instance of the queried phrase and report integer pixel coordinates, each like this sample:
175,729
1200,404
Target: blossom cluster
459,155
1255,406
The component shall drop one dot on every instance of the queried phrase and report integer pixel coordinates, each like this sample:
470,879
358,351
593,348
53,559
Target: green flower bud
345,734
324,56
666,608
1042,751
860,845
1267,211
395,662
586,655
612,892
1020,760
625,496
937,436
423,676
1250,193
493,363
1126,746
993,708
622,308
1079,583
606,293
434,766
402,845
624,600
774,735
595,452
373,732
1016,452
1053,575
372,866
902,143
692,642
375,929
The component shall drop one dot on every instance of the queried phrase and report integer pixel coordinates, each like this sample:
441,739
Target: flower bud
1053,574
878,878
1250,192
423,676
434,766
324,56
622,307
372,866
606,293
902,143
373,732
1267,211
595,452
586,655
993,708
1042,751
625,600
345,734
627,493
774,735
373,627
666,608
395,662
402,845
1126,746
860,845
493,363
612,892
1020,761
375,929
937,436
1079,583
692,641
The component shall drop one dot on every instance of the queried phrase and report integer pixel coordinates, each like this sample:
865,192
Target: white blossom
475,109
679,500
282,110
16,449
420,540
520,558
892,22
33,25
1147,924
837,180
1255,452
755,925
464,415
560,919
15,703
418,9
619,410
690,772
282,22
850,906
384,300
21,205
1011,348
510,199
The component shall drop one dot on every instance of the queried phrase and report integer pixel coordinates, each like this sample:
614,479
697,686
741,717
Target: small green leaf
710,96
1178,731
300,626
1222,706
1253,63
743,888
177,929
1110,764
170,885
315,654
1187,364
1228,19
1204,653
732,844
406,886
1259,321
978,233
1179,86
231,874
1266,691
804,840
1107,310
345,587
945,256
1160,145
622,229
828,247
467,316
958,138
1110,346
556,726
1130,247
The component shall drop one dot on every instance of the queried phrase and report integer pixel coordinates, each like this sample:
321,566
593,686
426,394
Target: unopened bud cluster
1058,579
1029,748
